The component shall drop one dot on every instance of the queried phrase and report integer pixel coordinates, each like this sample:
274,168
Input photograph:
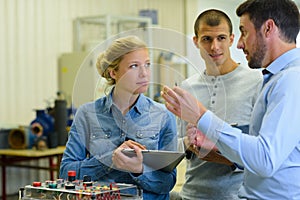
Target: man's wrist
202,110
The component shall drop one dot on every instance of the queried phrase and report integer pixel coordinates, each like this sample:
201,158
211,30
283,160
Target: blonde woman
125,118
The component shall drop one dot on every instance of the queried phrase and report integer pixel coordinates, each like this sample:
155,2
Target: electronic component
80,190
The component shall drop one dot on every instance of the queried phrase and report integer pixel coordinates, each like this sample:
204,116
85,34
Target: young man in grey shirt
229,90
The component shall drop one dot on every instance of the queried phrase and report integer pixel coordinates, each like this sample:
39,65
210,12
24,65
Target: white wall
229,8
33,33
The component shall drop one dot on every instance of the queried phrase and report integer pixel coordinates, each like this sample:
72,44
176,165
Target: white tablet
159,159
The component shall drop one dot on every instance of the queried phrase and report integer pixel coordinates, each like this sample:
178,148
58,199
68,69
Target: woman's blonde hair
112,56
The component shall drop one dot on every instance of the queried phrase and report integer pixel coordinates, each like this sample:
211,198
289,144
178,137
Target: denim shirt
99,128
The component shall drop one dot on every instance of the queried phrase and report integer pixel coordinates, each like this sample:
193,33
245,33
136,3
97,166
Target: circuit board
80,190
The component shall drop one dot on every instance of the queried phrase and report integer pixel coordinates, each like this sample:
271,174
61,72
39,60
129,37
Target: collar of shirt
282,61
229,74
137,107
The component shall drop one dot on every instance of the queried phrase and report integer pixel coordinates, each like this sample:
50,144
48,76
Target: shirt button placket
123,125
213,97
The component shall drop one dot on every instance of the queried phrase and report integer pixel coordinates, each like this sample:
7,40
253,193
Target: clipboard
159,159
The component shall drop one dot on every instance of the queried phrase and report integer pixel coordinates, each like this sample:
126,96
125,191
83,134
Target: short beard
256,61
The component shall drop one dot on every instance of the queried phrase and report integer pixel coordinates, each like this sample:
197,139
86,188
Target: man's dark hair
284,13
212,17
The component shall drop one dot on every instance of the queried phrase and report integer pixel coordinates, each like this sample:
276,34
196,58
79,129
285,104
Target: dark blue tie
265,71
267,74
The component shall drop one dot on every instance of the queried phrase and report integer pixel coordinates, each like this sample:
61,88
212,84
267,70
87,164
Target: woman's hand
130,144
132,164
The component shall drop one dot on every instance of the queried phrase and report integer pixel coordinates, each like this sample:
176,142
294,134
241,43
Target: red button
36,184
71,173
